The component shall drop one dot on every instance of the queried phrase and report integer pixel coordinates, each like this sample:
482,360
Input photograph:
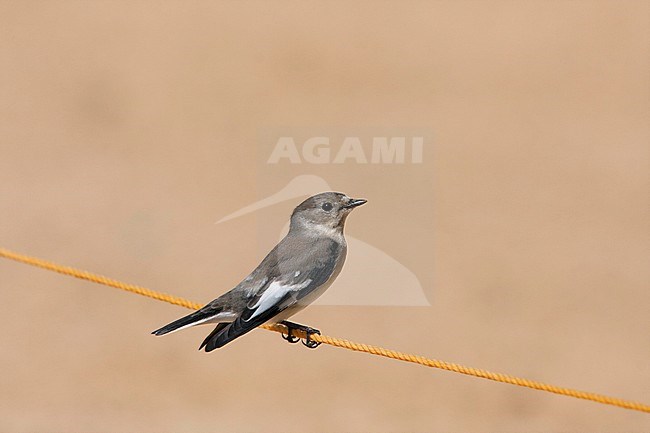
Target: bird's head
328,210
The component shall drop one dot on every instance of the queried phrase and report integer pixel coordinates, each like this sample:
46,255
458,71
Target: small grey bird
296,272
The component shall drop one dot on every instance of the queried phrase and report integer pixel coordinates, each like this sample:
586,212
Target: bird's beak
354,202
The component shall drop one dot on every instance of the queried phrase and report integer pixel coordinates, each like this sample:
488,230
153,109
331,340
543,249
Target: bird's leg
289,337
308,342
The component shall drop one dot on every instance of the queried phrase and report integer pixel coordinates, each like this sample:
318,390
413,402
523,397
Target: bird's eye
327,207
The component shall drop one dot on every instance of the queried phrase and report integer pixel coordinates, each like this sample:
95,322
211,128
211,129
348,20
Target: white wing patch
273,294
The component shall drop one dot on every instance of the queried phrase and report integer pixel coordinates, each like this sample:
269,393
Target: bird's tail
193,319
210,341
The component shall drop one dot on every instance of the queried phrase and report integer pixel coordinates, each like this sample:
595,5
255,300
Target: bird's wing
283,290
223,309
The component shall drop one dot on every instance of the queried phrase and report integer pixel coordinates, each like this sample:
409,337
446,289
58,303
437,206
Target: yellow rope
332,341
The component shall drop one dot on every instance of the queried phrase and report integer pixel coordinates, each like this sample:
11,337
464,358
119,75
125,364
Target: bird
295,273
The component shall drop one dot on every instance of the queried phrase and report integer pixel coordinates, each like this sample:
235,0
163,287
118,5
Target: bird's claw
307,341
290,337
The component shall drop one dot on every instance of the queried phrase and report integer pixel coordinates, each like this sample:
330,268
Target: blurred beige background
128,128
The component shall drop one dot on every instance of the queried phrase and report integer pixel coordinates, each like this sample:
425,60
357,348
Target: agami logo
323,150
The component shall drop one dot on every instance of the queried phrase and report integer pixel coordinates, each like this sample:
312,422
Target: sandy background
128,128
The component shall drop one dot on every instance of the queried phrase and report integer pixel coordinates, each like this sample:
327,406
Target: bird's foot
307,341
289,336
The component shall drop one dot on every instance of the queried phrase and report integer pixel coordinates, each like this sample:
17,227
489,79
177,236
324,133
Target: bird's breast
317,292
